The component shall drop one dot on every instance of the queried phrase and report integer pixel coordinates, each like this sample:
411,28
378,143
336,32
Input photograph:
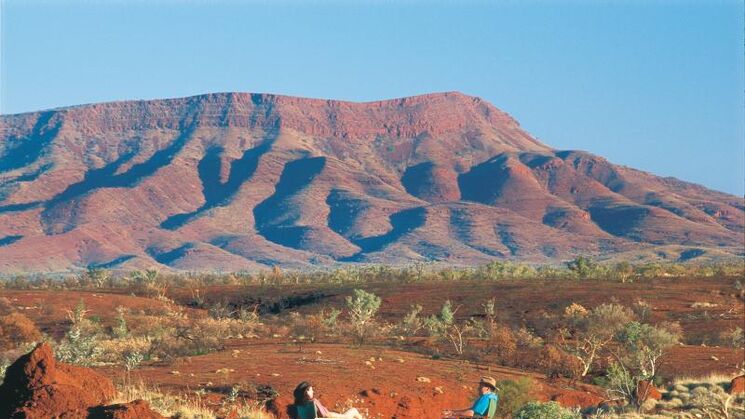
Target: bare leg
352,414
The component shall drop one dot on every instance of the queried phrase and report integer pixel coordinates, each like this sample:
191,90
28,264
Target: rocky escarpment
36,386
239,181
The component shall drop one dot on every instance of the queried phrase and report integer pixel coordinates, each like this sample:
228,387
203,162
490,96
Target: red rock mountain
233,181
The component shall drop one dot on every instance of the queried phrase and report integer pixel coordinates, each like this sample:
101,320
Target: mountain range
241,181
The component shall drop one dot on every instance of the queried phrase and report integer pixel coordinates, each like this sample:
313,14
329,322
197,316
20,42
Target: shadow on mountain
402,223
20,207
689,254
344,209
417,178
216,193
619,220
507,238
7,240
24,151
64,204
10,185
275,216
483,183
112,263
168,257
461,220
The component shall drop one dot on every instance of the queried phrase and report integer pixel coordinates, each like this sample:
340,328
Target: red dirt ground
380,381
389,387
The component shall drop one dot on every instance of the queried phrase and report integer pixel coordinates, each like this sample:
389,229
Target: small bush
16,329
557,363
734,338
502,343
362,307
411,322
549,410
513,395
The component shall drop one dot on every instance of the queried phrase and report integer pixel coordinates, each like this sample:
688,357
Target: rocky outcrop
647,391
737,385
36,386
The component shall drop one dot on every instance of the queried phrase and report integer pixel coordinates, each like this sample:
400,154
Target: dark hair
300,393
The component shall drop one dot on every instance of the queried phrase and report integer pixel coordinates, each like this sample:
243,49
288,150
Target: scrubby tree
587,333
445,326
148,282
362,307
78,346
636,357
581,266
411,323
97,276
623,271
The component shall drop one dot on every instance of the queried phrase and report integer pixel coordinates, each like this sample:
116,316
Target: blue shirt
481,406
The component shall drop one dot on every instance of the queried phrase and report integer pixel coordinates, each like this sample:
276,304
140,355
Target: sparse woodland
610,344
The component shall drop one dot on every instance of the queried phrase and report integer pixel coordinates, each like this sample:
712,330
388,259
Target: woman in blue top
480,407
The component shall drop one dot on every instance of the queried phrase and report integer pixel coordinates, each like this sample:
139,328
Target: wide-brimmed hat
489,381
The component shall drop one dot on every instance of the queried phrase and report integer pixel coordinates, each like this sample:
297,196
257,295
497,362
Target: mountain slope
234,181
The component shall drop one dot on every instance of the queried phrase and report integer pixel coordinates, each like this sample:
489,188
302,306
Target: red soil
379,381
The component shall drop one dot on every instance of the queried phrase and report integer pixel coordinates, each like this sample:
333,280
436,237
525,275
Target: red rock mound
737,385
37,386
646,391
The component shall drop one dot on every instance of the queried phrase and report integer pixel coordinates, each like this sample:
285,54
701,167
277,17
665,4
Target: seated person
304,396
487,386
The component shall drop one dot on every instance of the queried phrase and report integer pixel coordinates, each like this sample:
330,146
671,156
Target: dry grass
181,406
165,404
703,304
714,379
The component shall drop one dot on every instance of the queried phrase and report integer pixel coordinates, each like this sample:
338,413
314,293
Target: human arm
458,413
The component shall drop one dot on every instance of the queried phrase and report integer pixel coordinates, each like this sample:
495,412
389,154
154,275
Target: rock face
235,181
647,391
37,386
737,385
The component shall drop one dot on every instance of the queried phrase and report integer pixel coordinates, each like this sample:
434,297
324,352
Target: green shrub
120,329
513,395
80,345
411,322
549,410
362,307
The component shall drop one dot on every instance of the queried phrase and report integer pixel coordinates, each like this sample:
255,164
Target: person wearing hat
487,386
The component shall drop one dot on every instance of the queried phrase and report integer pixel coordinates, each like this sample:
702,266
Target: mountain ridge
230,181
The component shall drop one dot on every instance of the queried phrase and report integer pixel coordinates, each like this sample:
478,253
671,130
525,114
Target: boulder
647,391
737,385
36,386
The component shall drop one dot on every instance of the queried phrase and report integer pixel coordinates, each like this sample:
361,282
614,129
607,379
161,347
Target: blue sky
652,85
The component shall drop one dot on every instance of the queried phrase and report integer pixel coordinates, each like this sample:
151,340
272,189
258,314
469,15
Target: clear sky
657,86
